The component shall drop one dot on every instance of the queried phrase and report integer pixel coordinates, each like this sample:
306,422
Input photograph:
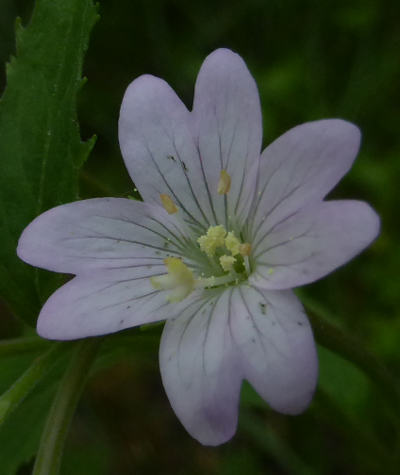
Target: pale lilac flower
222,236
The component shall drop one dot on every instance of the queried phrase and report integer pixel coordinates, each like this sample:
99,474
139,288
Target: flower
223,235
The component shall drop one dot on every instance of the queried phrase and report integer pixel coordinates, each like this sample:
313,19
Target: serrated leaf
40,146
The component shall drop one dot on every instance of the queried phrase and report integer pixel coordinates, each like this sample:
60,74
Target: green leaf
20,434
40,146
21,431
264,437
350,348
18,346
25,384
12,366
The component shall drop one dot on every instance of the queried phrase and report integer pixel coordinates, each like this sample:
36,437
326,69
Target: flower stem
48,459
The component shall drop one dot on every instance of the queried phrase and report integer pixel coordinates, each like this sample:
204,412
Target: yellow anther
179,279
203,242
168,204
224,183
232,243
214,238
227,262
245,249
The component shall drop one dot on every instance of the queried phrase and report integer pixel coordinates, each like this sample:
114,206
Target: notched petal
101,233
102,303
312,243
199,370
301,167
278,355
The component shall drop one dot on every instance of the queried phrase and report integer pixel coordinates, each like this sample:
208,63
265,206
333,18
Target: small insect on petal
168,204
224,183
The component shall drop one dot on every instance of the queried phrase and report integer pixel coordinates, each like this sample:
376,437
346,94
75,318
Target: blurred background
311,59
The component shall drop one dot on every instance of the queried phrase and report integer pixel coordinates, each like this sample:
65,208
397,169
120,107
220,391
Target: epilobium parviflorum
223,234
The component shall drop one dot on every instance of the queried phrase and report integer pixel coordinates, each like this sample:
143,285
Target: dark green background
311,60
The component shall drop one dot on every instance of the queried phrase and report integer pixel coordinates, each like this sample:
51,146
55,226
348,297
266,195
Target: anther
232,243
213,239
227,262
224,183
168,204
245,249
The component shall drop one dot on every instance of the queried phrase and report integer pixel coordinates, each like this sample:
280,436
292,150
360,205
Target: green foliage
40,147
20,432
55,430
41,155
24,385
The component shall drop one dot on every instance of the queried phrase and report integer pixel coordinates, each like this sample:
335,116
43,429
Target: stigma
179,279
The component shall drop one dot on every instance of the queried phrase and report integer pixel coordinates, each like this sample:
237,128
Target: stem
28,344
11,399
48,459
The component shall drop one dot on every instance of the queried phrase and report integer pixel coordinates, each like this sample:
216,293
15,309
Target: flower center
225,258
226,253
226,250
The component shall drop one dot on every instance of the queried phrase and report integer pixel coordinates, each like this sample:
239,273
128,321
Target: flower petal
102,303
199,371
276,344
228,124
100,233
302,166
159,149
312,243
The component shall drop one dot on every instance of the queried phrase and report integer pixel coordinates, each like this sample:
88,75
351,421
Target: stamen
232,243
227,262
205,282
168,204
224,183
245,249
215,281
213,239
